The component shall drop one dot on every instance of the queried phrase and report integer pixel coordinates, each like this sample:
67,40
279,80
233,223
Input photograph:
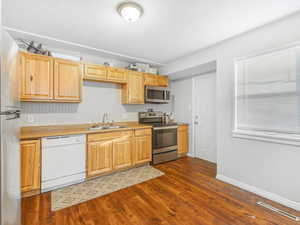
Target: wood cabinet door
136,88
156,80
163,81
99,157
122,152
182,139
143,149
150,79
116,75
67,80
95,72
36,77
30,165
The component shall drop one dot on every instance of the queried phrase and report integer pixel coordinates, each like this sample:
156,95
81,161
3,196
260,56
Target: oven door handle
165,128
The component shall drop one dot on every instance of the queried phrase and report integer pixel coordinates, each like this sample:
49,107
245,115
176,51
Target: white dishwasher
63,161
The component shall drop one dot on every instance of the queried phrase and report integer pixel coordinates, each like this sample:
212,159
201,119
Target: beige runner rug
82,192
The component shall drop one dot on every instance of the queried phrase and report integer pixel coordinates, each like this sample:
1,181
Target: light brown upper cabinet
30,165
36,77
116,75
95,72
48,79
150,79
163,81
156,80
133,91
67,80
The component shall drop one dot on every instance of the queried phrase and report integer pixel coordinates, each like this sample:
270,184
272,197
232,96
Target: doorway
204,117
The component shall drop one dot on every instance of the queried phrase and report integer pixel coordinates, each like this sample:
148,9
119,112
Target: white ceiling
169,29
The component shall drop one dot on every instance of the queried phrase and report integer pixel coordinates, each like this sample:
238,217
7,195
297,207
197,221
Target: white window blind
267,92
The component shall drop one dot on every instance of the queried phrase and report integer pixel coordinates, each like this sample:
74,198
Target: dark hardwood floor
187,194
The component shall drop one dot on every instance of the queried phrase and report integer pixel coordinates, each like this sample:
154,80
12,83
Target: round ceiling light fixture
130,11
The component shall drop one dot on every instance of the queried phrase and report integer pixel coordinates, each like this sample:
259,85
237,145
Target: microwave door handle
166,95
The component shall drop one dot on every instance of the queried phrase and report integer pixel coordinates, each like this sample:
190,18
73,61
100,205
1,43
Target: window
267,95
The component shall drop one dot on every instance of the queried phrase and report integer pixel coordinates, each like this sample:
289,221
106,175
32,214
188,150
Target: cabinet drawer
143,132
109,135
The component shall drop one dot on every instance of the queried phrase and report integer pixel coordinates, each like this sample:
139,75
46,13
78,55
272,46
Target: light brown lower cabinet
30,166
183,140
99,157
143,149
122,153
112,151
106,152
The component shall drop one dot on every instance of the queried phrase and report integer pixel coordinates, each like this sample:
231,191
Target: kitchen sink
99,127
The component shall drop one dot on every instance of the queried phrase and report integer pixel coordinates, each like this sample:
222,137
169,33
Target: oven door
164,139
155,95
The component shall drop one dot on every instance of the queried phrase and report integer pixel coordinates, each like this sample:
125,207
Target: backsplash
97,98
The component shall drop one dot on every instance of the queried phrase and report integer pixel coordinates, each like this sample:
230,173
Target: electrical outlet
30,118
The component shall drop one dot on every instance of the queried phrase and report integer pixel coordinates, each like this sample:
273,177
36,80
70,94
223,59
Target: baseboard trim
190,155
260,192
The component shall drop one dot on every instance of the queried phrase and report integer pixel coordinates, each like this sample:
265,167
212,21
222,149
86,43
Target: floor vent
279,211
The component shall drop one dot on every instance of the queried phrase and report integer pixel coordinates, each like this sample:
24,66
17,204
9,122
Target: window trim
271,137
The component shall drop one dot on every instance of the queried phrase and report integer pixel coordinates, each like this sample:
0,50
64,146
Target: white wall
97,99
267,168
182,92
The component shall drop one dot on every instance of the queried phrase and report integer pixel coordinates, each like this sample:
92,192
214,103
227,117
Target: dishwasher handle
57,137
63,140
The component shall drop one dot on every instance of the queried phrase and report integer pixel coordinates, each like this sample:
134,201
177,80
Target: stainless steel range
164,136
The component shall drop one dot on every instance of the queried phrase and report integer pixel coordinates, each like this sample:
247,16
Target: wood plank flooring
188,194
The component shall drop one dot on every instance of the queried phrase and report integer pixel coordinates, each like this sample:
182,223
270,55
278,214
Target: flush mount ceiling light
130,11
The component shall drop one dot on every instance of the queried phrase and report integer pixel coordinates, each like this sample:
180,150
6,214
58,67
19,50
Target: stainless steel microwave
158,95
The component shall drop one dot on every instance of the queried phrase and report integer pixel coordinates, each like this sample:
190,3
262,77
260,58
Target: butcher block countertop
59,130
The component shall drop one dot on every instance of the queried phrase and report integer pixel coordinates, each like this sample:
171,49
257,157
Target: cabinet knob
31,77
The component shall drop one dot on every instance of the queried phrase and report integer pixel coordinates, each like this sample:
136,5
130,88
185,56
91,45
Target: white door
204,116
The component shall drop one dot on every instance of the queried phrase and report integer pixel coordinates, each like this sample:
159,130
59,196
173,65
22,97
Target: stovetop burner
156,119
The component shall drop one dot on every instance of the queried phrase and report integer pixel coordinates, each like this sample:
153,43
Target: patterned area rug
82,192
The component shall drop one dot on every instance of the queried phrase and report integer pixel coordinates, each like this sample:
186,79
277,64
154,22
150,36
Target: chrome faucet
105,119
